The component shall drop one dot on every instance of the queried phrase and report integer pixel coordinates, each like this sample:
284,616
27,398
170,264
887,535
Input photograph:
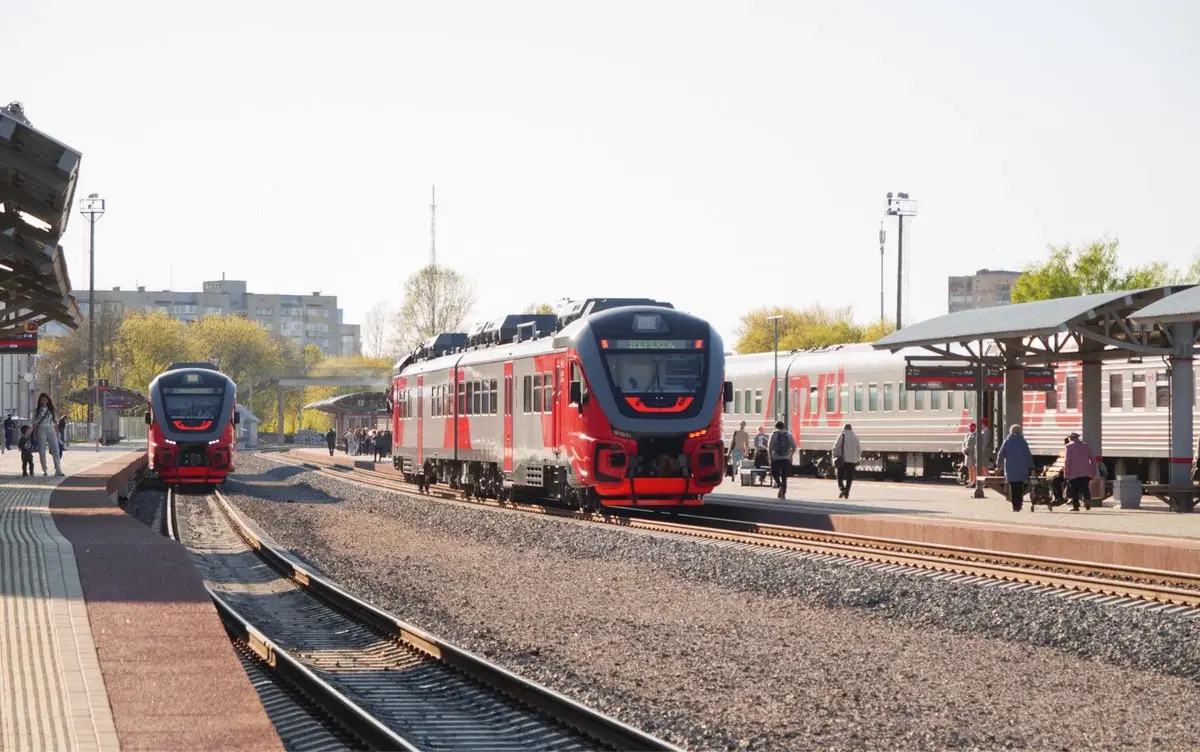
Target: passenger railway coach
920,433
611,403
191,439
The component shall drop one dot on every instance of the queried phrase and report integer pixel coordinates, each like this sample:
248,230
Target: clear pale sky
717,155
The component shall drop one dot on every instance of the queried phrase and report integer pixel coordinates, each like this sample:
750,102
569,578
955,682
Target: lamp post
775,381
899,205
93,208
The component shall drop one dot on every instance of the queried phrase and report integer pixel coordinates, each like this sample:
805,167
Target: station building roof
1103,319
359,403
37,188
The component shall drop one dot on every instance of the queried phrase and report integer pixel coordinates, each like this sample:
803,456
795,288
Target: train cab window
577,377
918,399
1162,389
494,392
873,397
758,405
547,392
844,398
537,393
1116,393
1138,389
901,396
462,398
1072,392
858,398
527,395
935,400
737,402
830,400
485,399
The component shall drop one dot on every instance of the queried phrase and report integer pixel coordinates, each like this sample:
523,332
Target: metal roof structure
1045,331
1182,306
37,189
359,403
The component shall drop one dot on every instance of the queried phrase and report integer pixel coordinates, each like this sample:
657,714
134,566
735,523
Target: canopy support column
1182,390
1014,396
980,461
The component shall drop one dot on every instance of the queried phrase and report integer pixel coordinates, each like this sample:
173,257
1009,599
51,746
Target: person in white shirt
847,451
740,444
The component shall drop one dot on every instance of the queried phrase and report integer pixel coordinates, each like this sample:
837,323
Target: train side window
1138,387
1072,392
485,400
1052,399
950,401
844,398
830,400
935,399
548,392
918,399
758,405
901,396
537,393
494,391
887,398
737,402
873,397
746,401
858,398
462,398
814,402
1162,389
527,395
1115,392
472,397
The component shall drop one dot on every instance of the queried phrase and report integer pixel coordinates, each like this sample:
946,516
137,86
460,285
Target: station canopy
359,403
1107,325
37,187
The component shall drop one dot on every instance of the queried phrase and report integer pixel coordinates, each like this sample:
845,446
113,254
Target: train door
420,421
508,417
556,406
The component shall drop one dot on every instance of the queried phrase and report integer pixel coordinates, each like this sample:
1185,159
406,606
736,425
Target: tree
374,329
148,343
436,299
799,328
1092,268
241,348
539,309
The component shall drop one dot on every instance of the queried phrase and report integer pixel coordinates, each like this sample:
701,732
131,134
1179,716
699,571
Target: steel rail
596,725
1032,569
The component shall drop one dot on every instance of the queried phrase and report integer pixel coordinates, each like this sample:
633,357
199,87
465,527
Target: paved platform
108,638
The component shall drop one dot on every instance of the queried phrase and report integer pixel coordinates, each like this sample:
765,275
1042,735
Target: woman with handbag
45,432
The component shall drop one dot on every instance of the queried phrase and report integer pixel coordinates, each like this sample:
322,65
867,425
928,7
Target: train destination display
962,378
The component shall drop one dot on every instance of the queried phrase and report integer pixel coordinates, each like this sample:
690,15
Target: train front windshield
196,403
644,372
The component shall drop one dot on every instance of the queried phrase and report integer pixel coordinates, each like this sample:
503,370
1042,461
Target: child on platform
25,444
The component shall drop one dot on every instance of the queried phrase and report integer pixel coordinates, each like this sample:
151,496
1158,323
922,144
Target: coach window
844,398
830,401
737,402
547,392
494,392
902,396
537,393
887,398
1115,392
873,397
527,395
1162,389
858,398
814,402
747,403
918,399
935,399
472,397
1072,392
462,398
758,407
1139,389
950,401
485,401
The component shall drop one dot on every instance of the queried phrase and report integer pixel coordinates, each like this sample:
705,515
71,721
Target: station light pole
775,381
93,208
899,205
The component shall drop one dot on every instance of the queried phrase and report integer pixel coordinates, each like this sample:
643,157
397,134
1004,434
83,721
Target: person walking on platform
1018,464
10,426
761,458
781,447
44,432
330,440
740,444
968,450
1080,469
847,451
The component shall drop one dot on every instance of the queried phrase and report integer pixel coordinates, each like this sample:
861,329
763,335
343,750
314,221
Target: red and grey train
192,419
615,402
920,433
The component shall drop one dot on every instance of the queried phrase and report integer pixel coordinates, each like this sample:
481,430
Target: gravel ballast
716,647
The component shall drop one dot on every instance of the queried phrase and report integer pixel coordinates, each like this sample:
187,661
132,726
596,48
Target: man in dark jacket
330,440
10,426
781,446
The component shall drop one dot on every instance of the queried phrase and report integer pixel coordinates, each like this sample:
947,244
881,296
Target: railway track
1112,584
388,683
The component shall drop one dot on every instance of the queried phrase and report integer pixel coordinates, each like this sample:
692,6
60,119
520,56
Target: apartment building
984,289
304,319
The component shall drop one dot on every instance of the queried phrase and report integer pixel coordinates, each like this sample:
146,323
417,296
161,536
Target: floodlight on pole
775,381
93,208
899,205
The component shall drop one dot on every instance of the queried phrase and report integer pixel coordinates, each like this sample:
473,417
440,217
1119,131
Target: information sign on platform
962,378
19,343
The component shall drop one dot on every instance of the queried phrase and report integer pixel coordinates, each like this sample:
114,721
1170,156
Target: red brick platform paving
173,679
